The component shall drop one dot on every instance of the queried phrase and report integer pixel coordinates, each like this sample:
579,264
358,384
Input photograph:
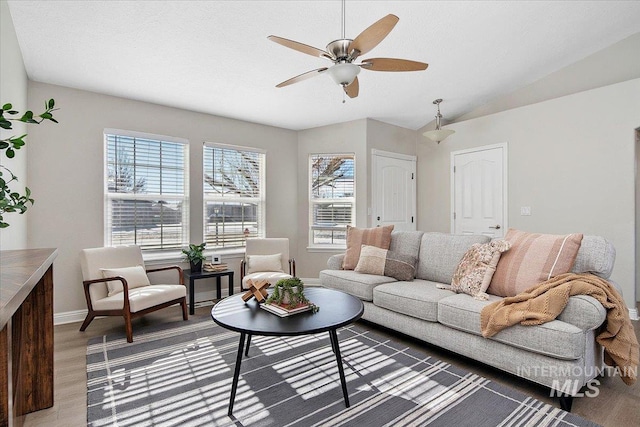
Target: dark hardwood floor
616,405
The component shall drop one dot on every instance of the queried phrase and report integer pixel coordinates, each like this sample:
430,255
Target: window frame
180,197
314,201
260,201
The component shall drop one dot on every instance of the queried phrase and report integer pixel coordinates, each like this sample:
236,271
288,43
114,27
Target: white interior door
393,183
479,196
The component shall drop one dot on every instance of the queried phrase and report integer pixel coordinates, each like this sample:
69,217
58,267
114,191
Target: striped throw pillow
532,259
379,237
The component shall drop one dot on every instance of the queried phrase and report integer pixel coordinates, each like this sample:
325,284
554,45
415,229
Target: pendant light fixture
438,134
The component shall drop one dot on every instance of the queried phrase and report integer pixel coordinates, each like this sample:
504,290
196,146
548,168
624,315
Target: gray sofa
555,354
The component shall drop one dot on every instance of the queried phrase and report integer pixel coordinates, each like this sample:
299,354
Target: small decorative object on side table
214,267
288,298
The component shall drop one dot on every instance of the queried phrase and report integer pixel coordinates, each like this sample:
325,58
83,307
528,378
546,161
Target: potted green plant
11,200
194,254
290,293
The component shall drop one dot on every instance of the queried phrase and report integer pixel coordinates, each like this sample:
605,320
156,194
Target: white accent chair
130,302
266,246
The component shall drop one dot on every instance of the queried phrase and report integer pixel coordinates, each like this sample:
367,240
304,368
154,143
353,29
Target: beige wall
13,89
571,159
349,137
359,137
66,173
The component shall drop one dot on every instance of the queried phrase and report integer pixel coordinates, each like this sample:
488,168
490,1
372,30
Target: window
234,195
332,198
146,189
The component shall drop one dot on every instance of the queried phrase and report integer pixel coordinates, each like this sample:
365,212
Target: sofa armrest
583,311
335,262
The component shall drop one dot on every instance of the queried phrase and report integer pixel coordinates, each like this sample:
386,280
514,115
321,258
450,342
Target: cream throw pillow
260,263
136,277
475,270
383,262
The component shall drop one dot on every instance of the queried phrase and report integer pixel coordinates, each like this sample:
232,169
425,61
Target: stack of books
284,310
214,267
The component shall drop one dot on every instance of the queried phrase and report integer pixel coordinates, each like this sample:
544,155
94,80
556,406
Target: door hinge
454,215
411,175
454,169
411,220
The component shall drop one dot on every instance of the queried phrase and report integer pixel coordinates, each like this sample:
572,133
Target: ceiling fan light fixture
438,134
344,73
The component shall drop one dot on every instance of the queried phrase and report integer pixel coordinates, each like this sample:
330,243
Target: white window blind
146,190
332,198
234,195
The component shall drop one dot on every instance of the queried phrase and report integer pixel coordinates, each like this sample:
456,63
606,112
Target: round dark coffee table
337,309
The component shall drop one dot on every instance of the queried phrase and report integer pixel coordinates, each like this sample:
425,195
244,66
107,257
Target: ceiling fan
343,52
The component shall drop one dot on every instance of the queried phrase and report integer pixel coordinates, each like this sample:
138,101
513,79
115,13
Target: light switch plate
525,210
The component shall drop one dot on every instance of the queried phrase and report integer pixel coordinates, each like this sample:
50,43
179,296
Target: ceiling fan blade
301,77
300,47
353,89
392,64
369,38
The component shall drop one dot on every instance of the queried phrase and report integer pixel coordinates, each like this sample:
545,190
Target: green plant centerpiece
13,201
195,255
290,293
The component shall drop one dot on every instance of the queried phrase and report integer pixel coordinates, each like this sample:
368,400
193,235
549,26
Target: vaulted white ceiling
214,56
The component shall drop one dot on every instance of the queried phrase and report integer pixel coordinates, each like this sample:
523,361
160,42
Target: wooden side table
206,275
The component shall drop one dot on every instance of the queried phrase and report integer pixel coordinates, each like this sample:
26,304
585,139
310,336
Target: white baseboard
633,314
69,317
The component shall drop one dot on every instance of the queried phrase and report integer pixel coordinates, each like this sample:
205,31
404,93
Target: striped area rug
180,375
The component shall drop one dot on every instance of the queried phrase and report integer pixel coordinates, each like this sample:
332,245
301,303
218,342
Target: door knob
497,227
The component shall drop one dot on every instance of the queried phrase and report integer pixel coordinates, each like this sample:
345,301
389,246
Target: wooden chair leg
185,314
127,326
87,320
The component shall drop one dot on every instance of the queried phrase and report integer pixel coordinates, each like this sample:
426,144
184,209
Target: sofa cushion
270,276
384,262
356,284
142,298
532,259
417,299
556,338
356,237
596,256
474,273
406,242
440,254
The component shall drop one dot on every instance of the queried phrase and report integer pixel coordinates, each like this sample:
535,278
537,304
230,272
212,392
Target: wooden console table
26,336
